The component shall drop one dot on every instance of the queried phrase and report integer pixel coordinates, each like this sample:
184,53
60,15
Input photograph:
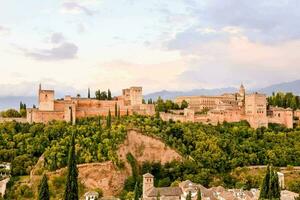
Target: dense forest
210,152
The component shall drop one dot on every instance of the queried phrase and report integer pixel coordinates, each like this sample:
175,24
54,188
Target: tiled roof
148,175
165,191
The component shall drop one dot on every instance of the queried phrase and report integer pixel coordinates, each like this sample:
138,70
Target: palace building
71,108
233,107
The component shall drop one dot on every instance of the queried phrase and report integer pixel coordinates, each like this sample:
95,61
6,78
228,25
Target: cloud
60,49
238,60
57,38
4,30
76,8
81,28
256,42
262,20
63,51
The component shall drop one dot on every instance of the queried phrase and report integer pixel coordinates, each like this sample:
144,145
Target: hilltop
205,154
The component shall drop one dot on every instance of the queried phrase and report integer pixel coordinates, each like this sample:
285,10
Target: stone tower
46,99
148,183
242,91
256,110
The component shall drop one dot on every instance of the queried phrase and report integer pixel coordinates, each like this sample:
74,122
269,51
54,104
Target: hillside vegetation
210,153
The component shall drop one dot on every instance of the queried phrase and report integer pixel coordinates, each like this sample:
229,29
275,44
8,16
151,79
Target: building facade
233,107
72,108
187,187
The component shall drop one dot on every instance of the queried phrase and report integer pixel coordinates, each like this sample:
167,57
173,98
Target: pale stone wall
136,97
34,115
281,116
50,109
256,110
46,100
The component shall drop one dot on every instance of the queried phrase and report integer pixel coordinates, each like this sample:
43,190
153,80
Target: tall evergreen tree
127,112
89,93
189,196
108,119
264,191
98,94
136,191
270,188
109,94
119,112
158,196
44,189
116,109
275,186
199,197
71,191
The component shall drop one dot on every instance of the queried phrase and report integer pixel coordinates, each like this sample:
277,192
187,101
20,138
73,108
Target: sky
70,45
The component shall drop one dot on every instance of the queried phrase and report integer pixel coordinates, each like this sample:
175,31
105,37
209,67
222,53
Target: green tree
189,196
44,189
98,94
89,93
184,104
108,119
119,112
158,196
199,197
71,191
270,188
109,94
136,191
265,187
116,109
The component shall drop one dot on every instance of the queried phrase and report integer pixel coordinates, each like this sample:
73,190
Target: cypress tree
109,95
108,119
275,186
127,113
119,112
265,187
157,115
189,196
44,189
89,93
158,196
71,192
136,191
116,109
199,194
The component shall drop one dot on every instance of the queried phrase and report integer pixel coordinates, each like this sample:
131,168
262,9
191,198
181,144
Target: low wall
21,120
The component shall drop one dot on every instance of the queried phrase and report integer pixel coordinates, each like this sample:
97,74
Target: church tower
148,183
242,90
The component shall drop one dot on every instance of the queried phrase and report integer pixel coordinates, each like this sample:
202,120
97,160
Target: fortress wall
169,116
94,103
59,105
46,100
144,109
281,116
44,116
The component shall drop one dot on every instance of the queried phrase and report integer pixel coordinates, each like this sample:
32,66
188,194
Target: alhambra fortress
72,108
229,107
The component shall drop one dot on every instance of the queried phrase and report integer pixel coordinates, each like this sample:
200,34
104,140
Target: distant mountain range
293,86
